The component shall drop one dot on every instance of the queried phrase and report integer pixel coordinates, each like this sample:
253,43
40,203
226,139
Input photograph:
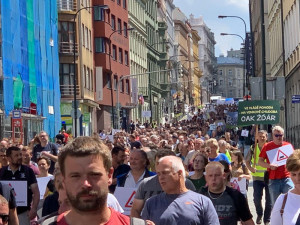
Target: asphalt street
250,201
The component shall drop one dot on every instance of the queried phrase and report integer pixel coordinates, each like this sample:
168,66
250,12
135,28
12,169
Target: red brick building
111,51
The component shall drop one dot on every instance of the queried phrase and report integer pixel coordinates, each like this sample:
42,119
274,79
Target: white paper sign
212,127
239,185
125,197
114,131
280,155
146,113
245,133
20,188
110,137
42,183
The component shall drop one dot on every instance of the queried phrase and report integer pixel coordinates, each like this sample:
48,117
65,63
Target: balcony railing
68,90
67,47
66,5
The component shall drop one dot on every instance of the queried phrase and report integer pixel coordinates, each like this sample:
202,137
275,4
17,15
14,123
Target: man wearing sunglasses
279,178
4,211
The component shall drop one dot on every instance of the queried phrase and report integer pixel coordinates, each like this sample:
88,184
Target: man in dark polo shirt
118,157
18,172
45,149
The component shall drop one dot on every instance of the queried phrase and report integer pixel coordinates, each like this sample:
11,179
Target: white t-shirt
291,210
130,182
113,203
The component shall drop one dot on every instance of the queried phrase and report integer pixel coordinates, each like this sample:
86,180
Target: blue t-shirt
189,208
220,157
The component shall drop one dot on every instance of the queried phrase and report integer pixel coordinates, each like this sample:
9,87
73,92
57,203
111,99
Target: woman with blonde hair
214,154
286,210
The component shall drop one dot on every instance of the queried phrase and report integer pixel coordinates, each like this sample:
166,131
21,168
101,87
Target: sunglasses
278,135
4,218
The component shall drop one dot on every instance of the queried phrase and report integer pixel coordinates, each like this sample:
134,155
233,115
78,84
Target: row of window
124,3
115,23
86,37
122,88
120,55
230,72
88,78
66,75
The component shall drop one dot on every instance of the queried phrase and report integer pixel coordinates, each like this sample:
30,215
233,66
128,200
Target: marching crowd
193,171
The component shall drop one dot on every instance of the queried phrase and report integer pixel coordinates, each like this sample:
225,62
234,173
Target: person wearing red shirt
279,177
66,136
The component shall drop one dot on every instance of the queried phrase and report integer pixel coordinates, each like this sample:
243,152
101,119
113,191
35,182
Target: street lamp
244,77
240,18
75,106
222,17
112,92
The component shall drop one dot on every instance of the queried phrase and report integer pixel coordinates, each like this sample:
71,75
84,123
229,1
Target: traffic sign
73,113
296,99
16,114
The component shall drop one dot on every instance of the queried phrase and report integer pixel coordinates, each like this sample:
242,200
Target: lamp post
75,106
112,91
222,17
245,74
244,65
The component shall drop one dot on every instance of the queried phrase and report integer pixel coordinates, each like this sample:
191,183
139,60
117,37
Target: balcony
66,5
67,91
67,48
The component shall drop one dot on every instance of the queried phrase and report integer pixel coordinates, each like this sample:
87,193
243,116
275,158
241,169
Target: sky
210,9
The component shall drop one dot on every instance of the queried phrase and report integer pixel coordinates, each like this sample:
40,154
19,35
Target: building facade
111,40
29,81
156,59
78,34
138,55
196,71
291,29
275,34
207,59
230,76
183,58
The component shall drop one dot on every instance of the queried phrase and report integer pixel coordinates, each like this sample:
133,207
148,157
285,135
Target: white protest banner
279,155
42,183
114,131
110,137
212,127
20,188
125,197
239,185
146,113
245,133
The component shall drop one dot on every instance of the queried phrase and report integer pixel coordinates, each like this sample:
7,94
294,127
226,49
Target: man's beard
98,201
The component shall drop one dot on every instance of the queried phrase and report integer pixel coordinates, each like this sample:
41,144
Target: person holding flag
259,183
273,157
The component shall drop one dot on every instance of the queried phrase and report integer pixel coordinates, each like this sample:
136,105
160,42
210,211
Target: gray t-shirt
189,208
150,186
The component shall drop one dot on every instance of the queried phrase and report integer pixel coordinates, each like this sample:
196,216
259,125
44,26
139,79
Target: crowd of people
193,171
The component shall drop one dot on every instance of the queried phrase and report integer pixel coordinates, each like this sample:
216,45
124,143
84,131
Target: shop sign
86,117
